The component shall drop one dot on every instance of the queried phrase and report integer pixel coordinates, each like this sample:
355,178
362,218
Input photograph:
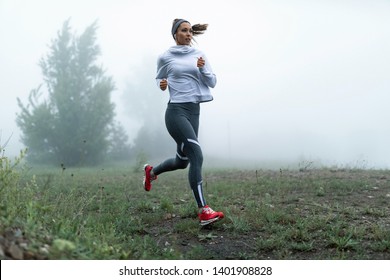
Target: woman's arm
207,73
161,77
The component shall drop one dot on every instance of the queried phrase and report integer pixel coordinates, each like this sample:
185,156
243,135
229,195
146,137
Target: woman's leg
174,118
182,121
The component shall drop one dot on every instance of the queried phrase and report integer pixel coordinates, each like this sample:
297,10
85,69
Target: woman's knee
194,153
182,164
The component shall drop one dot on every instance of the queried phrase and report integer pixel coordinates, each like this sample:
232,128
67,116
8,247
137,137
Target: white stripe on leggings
182,158
200,192
193,141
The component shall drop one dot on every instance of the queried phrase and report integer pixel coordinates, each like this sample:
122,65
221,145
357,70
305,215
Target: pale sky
297,80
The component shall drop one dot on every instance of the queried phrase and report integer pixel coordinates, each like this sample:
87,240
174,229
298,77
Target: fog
297,80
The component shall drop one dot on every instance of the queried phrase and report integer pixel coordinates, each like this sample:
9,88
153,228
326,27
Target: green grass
104,213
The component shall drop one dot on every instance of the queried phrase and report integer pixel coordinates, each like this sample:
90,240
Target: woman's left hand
201,62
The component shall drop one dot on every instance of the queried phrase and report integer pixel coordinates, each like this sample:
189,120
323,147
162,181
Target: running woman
187,74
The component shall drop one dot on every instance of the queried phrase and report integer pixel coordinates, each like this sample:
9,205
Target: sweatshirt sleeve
161,70
208,77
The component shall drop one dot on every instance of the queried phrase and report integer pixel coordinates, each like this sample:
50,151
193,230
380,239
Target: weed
198,252
381,246
270,244
302,246
187,210
144,206
320,191
166,205
375,212
187,226
206,237
146,248
343,243
237,224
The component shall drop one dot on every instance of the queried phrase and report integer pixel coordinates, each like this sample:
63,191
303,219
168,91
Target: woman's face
184,34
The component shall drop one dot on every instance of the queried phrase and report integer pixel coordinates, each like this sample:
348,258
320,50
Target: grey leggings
182,122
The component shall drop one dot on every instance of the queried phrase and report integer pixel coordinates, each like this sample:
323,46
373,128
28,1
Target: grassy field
104,213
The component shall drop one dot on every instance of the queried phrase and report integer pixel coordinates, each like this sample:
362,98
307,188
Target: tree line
70,118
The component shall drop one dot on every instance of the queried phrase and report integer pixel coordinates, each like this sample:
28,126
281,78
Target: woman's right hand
163,84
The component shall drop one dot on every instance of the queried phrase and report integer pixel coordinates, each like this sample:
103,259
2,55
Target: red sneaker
148,178
208,216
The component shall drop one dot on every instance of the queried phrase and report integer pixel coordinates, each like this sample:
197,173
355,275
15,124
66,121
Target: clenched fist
201,62
163,84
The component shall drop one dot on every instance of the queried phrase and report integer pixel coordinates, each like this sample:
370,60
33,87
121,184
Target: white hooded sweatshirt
186,81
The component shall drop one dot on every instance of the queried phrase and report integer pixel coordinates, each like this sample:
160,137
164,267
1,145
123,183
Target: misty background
296,80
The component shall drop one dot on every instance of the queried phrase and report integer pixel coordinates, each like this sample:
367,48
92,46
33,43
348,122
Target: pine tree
72,125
